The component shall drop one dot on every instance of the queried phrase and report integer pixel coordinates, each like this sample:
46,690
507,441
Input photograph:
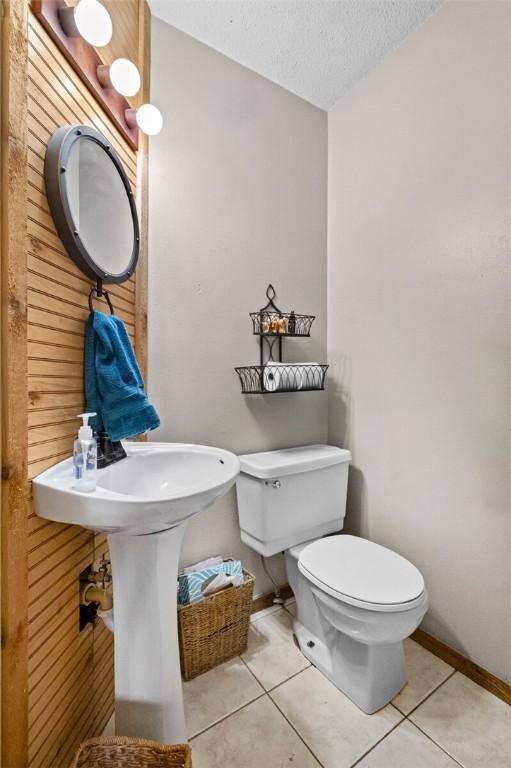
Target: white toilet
356,601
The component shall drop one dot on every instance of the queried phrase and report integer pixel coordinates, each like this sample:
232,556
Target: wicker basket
215,629
125,752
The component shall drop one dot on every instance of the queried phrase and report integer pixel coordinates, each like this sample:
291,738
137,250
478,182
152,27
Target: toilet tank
292,495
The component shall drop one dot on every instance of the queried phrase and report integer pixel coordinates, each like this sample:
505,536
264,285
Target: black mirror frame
55,165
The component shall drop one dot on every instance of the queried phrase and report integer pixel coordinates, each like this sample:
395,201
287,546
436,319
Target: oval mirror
92,203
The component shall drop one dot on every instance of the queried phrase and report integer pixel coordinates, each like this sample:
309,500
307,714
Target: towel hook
100,293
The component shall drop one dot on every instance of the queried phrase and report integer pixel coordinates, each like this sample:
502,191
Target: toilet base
370,675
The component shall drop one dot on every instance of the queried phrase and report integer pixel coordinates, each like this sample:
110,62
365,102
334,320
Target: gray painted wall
418,322
418,293
237,190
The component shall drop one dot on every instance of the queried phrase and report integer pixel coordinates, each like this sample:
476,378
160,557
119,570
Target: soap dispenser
85,457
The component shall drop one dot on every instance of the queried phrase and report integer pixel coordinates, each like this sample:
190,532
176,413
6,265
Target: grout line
252,673
436,743
295,674
268,690
226,717
296,730
264,692
407,714
405,717
359,759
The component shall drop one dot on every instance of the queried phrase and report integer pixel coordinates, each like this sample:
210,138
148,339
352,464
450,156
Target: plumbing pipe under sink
107,618
102,596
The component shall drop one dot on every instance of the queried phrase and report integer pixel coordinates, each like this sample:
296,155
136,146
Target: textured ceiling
314,48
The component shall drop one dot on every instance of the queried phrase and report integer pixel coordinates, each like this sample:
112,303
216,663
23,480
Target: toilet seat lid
361,570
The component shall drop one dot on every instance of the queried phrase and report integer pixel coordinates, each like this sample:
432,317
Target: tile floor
270,708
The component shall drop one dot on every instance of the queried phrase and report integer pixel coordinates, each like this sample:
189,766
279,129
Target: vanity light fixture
122,75
147,117
89,20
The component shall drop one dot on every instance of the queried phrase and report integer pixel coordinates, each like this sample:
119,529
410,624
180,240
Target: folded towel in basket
191,585
208,563
221,581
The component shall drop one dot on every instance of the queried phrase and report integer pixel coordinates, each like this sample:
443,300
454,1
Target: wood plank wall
68,674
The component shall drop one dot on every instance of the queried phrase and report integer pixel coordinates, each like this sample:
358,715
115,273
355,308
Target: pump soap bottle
85,467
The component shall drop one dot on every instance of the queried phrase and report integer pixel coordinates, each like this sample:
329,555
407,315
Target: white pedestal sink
143,503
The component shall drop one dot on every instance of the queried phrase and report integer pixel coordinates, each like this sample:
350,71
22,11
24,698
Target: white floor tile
425,673
265,612
217,693
255,737
272,654
331,725
468,722
404,747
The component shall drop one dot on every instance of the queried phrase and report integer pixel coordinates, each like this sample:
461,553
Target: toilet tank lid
292,461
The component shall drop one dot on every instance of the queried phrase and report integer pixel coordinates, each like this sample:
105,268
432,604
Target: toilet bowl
356,600
356,603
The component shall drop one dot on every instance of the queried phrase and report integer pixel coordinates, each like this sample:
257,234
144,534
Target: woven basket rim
127,741
178,750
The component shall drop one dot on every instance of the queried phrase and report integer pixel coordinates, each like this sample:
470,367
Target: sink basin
143,503
157,486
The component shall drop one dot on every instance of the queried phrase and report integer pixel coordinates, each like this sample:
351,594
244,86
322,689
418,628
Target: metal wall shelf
272,376
271,379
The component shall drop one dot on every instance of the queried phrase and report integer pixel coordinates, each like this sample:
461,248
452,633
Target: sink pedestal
148,689
142,503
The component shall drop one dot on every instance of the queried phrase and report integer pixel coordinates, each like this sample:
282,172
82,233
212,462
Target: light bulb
125,77
149,119
93,22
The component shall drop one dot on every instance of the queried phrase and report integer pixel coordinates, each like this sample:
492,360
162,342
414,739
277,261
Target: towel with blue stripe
192,586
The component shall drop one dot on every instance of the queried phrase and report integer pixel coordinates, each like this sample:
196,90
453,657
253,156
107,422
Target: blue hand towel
113,384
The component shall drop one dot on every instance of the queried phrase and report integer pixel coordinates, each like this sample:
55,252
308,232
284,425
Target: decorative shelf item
281,324
272,375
